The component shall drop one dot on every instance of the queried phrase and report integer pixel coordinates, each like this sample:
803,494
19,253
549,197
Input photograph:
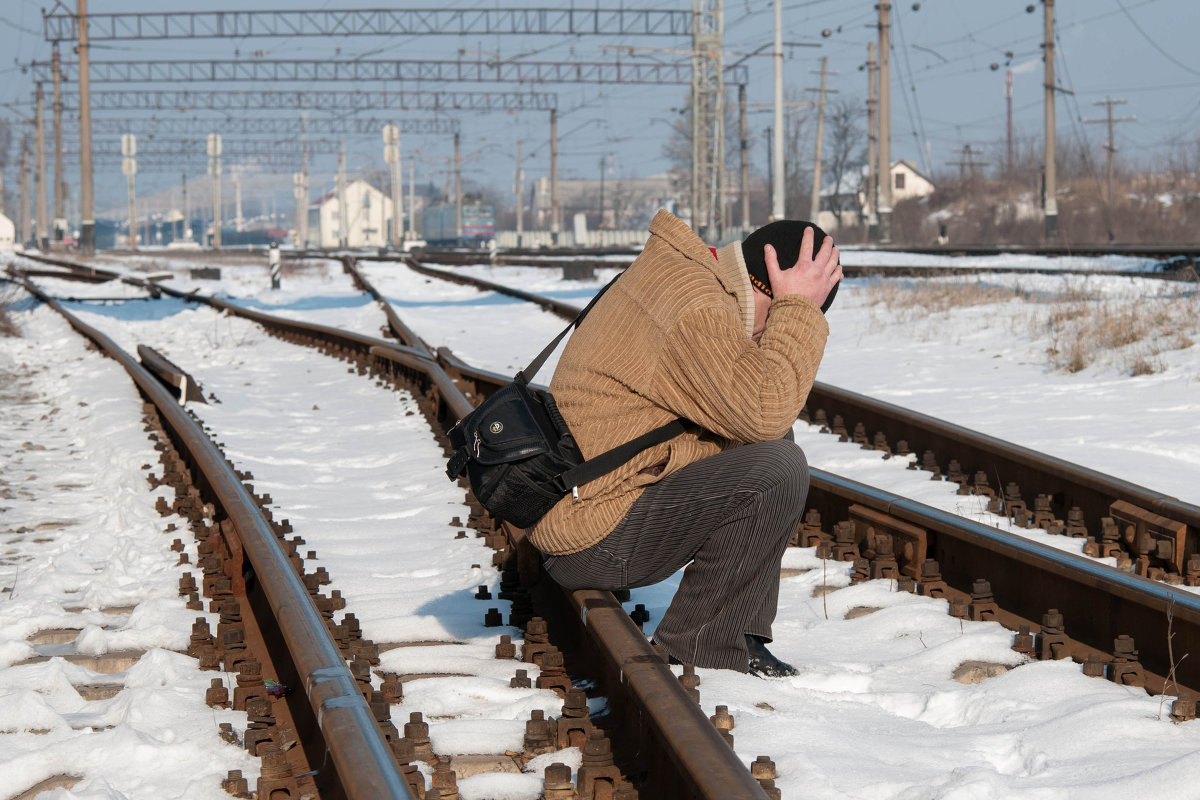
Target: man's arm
712,374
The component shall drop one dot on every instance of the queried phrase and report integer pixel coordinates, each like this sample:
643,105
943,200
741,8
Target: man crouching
730,341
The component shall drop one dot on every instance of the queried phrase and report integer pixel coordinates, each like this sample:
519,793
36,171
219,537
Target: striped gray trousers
727,517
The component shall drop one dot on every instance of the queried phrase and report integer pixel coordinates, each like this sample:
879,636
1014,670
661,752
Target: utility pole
87,213
744,141
458,230
771,182
776,142
814,206
39,171
343,212
708,118
884,177
872,193
186,233
129,168
518,187
966,162
602,165
1050,203
1008,101
214,169
555,222
238,222
391,157
300,184
1110,148
300,193
60,182
412,197
23,217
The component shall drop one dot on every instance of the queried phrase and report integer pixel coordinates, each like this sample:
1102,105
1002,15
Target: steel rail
98,273
1098,602
565,310
362,759
1067,483
401,331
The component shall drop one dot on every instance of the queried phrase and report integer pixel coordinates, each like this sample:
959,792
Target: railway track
674,749
935,554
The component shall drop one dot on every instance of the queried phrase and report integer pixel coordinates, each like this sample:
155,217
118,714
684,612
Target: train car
440,227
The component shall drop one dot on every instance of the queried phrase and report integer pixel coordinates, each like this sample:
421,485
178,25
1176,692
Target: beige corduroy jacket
672,338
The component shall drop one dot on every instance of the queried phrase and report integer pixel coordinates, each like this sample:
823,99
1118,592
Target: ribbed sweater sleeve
710,373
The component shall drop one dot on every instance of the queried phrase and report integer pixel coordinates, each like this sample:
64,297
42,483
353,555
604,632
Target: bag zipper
478,443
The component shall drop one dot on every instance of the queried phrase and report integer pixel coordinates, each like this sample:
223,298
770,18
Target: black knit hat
785,236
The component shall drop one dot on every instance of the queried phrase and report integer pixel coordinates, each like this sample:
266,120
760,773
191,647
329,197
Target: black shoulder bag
518,454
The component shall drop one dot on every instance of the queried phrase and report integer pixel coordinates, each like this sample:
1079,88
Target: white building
8,233
907,182
368,217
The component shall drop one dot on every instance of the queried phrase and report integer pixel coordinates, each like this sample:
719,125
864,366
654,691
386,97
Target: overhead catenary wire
915,122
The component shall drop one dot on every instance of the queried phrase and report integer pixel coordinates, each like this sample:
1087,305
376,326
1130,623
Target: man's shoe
765,665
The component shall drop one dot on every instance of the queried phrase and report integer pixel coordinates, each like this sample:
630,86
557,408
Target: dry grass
1130,332
1081,325
7,326
918,299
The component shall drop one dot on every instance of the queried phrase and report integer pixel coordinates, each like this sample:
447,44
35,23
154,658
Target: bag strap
606,462
524,376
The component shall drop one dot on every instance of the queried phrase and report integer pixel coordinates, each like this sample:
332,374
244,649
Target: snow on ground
875,712
855,257
82,549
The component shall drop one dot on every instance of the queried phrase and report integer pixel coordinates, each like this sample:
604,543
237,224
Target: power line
918,122
1155,44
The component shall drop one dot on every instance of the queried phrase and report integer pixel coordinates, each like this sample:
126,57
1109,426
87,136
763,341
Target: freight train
440,227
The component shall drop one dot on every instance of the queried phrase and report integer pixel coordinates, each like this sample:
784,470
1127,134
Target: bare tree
845,143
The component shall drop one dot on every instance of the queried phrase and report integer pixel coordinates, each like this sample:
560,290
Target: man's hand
812,275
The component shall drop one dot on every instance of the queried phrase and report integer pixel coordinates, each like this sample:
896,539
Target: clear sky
945,92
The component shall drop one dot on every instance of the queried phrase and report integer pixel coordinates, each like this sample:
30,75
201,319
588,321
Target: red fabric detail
713,250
